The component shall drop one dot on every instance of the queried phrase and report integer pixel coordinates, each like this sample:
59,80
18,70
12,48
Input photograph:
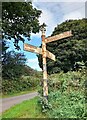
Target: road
8,102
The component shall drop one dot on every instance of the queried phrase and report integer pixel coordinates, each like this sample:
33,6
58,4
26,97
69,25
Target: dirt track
8,102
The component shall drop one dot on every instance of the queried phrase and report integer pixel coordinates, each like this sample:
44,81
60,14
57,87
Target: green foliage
12,65
67,105
45,105
25,83
62,80
4,47
70,50
67,98
28,71
19,18
16,76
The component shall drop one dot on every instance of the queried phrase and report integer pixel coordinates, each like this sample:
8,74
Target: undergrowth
67,95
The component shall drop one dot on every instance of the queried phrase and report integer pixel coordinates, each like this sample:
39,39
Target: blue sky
53,12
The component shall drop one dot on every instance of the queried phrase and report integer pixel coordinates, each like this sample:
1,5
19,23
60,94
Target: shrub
23,84
66,95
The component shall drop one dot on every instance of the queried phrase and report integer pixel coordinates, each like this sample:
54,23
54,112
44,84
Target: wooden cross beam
38,50
45,53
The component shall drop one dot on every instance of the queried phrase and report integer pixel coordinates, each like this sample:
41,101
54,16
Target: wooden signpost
45,53
38,50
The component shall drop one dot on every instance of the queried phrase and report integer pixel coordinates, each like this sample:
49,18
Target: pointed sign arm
34,49
58,37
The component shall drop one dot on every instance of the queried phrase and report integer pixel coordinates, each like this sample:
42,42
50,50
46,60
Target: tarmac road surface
6,103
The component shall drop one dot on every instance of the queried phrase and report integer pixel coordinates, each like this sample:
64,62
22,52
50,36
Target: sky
54,12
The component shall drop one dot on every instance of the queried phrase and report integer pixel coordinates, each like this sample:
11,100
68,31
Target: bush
66,95
23,84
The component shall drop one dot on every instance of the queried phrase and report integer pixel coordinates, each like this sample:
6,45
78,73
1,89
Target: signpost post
45,53
45,86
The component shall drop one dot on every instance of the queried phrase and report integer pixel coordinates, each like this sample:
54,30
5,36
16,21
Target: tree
13,65
70,50
19,18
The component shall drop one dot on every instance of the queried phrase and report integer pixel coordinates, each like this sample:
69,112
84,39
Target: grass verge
18,93
26,109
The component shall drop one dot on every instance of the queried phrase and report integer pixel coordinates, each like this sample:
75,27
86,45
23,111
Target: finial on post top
43,29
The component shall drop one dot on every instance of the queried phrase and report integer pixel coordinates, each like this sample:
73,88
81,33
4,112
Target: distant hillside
30,71
30,80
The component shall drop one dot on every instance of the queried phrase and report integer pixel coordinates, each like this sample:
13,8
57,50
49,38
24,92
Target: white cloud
74,15
33,60
37,35
74,10
54,13
48,18
33,63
